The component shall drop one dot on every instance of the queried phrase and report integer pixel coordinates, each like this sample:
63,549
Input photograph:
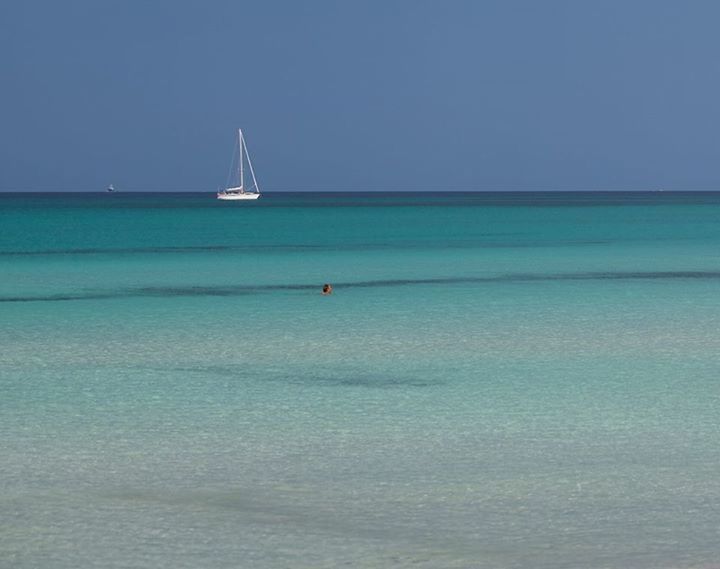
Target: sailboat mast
241,141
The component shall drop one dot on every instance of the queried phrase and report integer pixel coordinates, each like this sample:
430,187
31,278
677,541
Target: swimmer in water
327,289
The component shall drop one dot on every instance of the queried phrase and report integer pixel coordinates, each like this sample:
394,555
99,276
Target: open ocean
500,380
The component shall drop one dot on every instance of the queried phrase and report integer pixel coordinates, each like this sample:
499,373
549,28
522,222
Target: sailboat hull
246,196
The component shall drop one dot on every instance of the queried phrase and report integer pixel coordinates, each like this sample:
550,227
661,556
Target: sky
352,96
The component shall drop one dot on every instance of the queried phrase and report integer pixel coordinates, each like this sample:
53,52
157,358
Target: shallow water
499,380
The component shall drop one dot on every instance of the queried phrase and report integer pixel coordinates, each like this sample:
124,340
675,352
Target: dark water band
239,290
282,248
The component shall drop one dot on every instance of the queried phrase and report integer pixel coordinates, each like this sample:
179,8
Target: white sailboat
241,192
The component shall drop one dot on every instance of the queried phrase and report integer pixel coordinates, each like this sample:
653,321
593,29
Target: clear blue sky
386,94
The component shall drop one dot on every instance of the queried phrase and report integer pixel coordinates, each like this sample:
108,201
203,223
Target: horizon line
364,191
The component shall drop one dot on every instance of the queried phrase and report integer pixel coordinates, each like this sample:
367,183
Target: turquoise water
499,380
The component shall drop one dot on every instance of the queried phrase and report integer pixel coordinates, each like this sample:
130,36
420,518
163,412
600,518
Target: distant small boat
111,188
240,192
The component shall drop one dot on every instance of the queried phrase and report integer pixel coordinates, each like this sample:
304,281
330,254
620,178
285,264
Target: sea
499,380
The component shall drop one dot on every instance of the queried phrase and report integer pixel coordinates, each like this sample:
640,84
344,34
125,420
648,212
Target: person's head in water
327,289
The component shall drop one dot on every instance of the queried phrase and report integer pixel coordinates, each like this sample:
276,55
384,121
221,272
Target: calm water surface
498,381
